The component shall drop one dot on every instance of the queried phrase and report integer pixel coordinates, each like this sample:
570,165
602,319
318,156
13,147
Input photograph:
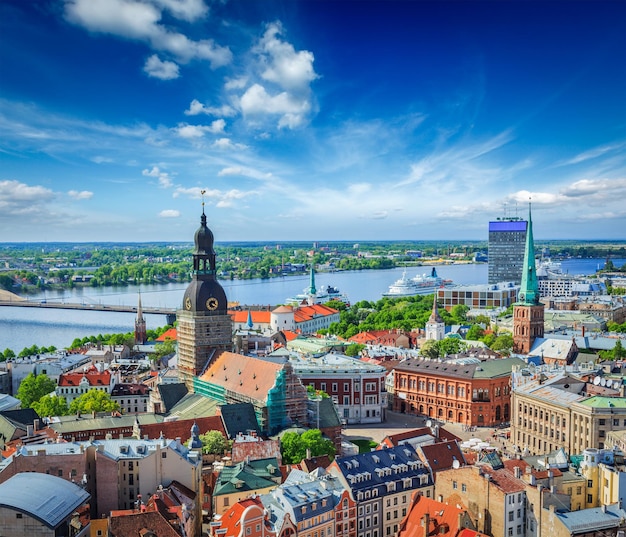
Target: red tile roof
93,376
258,317
168,334
231,519
135,525
306,313
182,428
441,456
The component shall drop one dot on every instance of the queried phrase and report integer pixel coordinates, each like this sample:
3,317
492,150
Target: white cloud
185,130
227,144
80,195
191,131
188,10
293,111
244,172
164,178
169,213
140,20
220,198
236,83
165,70
101,160
19,199
284,66
196,107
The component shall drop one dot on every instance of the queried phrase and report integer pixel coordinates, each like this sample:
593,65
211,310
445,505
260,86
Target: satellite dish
616,385
603,382
596,381
456,464
429,423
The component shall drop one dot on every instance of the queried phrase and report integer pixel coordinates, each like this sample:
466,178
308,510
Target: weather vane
202,192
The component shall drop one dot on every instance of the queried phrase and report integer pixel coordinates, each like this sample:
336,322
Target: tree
459,312
430,349
619,351
166,348
7,354
475,332
450,345
214,443
294,446
33,388
93,401
503,344
354,349
51,405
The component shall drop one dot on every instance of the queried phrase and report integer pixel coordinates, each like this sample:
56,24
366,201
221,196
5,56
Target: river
23,327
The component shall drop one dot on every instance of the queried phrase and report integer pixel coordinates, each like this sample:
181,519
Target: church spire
529,288
140,325
312,289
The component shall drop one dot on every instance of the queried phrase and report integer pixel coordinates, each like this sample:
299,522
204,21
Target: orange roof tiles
443,519
168,334
258,317
231,519
243,374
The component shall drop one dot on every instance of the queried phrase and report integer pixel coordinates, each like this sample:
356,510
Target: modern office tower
204,326
507,238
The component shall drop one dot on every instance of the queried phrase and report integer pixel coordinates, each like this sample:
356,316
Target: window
346,387
463,487
589,498
511,516
454,485
590,483
334,387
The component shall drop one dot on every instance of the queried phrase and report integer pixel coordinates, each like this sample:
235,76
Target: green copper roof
604,402
529,288
312,289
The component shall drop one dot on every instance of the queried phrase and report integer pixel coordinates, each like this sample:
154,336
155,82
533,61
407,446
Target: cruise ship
422,284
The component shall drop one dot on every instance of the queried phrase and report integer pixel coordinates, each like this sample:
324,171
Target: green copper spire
529,288
312,289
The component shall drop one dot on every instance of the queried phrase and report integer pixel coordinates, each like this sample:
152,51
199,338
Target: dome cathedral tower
204,325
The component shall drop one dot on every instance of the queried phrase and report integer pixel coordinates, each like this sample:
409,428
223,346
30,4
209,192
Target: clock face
211,303
188,303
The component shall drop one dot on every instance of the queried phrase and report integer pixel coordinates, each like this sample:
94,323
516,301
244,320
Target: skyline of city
310,120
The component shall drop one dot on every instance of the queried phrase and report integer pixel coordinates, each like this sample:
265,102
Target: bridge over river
170,313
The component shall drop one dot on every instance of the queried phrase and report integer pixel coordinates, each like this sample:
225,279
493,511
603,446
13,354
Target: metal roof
44,497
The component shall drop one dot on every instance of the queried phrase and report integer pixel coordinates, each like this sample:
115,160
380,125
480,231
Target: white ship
422,284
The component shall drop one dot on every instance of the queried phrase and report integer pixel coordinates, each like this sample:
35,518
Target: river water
23,327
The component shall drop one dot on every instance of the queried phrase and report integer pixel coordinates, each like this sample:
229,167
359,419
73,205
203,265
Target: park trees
93,401
51,405
33,388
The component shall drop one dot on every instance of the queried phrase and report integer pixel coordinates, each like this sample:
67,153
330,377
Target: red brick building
471,390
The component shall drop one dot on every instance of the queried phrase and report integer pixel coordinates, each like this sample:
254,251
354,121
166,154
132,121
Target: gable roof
171,393
239,418
136,524
231,519
247,476
171,333
93,375
442,455
242,374
443,519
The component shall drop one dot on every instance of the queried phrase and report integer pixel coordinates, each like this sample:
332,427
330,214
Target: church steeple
140,325
529,288
312,289
528,314
435,326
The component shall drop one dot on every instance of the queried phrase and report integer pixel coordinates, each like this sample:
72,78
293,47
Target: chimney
308,453
426,524
461,520
36,425
518,472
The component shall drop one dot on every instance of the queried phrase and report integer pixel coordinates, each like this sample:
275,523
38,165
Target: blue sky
310,120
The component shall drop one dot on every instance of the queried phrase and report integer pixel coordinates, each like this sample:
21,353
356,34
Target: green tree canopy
93,401
51,405
294,446
459,312
503,344
33,388
475,333
214,443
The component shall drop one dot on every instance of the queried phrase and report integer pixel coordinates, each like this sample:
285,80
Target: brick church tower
527,311
205,329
